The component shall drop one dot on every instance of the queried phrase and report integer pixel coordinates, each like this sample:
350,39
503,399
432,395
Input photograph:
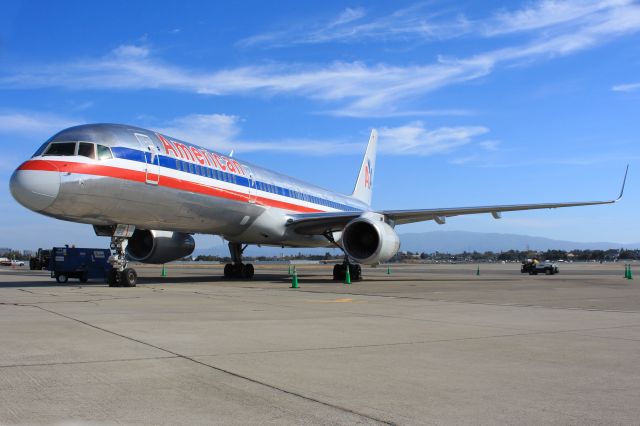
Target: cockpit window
61,148
86,149
104,153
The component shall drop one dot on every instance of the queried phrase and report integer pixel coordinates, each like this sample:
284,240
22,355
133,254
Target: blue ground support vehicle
81,263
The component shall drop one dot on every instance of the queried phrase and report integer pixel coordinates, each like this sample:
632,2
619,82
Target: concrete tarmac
427,344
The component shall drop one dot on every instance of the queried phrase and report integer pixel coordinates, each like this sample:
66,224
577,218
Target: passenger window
104,153
61,149
87,149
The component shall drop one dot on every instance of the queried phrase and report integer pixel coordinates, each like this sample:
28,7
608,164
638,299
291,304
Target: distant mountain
459,241
443,241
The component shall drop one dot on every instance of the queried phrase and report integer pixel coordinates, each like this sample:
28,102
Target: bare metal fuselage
157,182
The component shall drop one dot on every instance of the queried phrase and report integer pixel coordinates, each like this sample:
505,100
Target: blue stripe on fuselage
215,174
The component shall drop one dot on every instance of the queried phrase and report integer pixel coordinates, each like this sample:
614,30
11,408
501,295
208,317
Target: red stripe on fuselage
166,181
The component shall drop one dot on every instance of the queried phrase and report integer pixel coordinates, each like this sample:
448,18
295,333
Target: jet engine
159,246
370,240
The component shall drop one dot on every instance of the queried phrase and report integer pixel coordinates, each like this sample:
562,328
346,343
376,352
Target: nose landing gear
120,275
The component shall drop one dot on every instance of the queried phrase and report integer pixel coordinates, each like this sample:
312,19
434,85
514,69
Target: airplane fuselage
117,174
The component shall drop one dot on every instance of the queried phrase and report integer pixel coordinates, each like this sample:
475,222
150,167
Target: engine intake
148,246
370,240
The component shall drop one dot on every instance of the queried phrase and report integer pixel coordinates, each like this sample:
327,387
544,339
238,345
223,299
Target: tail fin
364,184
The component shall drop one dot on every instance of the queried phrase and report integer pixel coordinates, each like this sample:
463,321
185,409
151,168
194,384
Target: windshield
86,149
61,149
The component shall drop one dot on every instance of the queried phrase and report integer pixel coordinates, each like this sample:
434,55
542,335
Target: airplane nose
35,189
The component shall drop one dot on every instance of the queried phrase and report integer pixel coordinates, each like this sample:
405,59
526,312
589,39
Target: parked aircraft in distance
149,192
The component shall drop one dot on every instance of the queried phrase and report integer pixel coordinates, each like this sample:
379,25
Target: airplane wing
439,215
319,223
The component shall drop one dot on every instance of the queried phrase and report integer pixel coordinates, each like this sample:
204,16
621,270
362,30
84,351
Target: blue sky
476,102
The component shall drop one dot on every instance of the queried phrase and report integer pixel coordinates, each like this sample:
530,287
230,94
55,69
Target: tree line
610,255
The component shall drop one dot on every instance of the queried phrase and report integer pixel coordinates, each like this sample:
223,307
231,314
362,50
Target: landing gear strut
340,270
119,274
237,269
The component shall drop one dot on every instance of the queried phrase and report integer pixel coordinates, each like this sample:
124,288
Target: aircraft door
152,158
252,185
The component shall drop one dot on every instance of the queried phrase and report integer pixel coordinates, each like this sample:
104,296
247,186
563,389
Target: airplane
150,193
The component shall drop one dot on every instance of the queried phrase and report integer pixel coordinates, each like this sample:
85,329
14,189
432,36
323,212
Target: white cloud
548,13
222,133
131,51
420,22
33,124
629,87
348,15
215,131
403,24
415,139
490,145
353,89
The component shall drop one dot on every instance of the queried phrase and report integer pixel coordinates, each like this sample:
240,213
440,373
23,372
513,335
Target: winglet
364,184
624,181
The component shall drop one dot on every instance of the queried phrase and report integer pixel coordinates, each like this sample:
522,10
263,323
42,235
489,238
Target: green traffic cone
347,276
630,273
388,269
289,269
478,270
164,271
626,271
294,279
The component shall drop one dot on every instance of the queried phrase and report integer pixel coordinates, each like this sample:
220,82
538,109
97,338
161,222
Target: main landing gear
237,269
340,271
119,274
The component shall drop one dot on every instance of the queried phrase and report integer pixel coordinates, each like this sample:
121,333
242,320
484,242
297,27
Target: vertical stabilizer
364,184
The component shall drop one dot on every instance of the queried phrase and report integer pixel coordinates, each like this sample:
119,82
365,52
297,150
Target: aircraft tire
247,271
129,277
113,279
228,271
339,272
356,272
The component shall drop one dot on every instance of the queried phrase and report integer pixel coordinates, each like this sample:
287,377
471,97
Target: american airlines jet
149,193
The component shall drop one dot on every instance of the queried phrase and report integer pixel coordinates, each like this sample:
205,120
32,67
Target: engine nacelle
370,240
159,246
